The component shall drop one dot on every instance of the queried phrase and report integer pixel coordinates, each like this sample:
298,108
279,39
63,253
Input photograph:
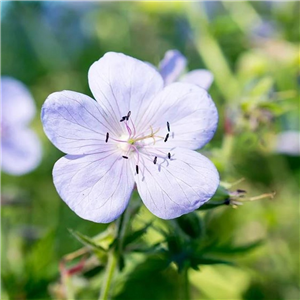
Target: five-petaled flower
138,132
21,148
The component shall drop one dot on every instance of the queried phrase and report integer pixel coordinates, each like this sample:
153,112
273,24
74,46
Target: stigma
132,143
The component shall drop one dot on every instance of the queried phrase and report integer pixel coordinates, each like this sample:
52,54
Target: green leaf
150,279
220,198
209,261
262,87
191,225
213,204
229,248
87,241
130,238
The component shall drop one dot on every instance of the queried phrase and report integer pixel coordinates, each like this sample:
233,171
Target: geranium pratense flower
174,64
137,133
21,148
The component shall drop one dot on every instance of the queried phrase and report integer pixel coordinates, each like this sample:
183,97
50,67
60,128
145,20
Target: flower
136,133
173,65
288,143
21,148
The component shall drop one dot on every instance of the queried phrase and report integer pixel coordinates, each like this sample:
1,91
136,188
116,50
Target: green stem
67,280
185,285
114,254
210,51
109,273
243,14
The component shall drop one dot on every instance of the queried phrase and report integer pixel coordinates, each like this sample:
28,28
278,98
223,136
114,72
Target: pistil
130,143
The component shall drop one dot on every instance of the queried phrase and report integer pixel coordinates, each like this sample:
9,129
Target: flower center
134,142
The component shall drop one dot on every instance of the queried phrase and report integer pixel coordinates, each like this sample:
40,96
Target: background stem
184,285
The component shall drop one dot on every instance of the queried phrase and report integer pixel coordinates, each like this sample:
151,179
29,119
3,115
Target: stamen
155,160
166,138
128,115
169,155
137,169
134,130
123,119
168,126
126,157
107,136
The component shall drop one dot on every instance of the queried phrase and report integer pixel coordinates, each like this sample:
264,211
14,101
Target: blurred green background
252,48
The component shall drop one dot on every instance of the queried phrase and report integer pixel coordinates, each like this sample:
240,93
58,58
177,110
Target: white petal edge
18,106
21,151
76,124
190,111
96,187
202,78
172,66
178,186
121,83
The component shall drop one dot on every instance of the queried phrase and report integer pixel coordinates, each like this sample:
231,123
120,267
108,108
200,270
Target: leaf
230,249
262,87
130,238
191,225
213,204
150,279
87,241
220,198
209,261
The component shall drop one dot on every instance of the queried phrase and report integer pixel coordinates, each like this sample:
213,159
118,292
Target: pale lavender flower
21,148
173,65
136,133
288,142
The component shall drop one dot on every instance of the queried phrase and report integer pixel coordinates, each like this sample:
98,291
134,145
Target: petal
288,142
202,78
96,187
21,151
178,186
121,84
190,111
172,65
17,103
75,123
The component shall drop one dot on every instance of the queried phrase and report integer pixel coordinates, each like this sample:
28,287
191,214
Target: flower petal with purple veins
171,188
96,187
121,83
76,124
190,112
